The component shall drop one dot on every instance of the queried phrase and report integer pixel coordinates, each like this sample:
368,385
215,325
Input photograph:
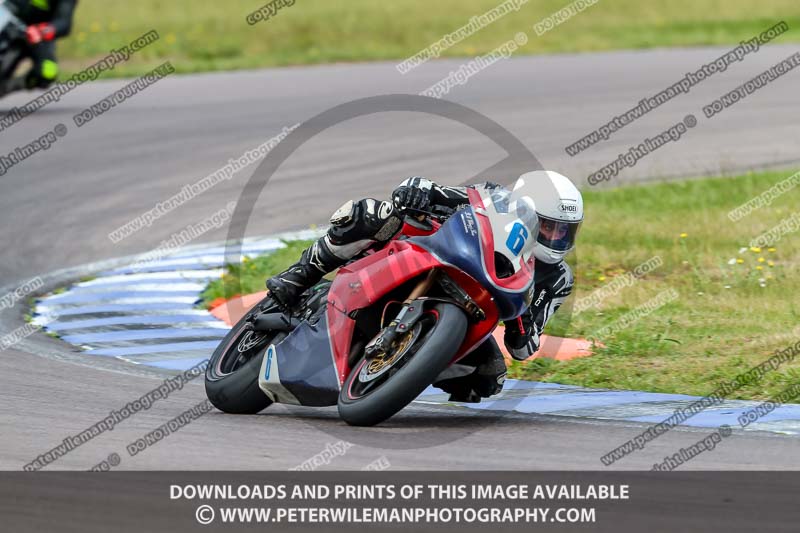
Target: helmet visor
557,234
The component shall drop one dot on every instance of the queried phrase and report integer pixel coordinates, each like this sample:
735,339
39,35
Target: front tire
364,404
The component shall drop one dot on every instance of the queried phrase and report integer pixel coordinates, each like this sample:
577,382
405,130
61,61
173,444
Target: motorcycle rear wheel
232,371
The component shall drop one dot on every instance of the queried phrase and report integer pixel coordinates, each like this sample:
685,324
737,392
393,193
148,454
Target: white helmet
559,205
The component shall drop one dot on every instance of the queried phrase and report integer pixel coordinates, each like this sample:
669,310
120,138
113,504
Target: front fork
406,317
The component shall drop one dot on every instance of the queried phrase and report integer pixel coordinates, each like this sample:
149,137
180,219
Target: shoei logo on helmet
516,238
568,208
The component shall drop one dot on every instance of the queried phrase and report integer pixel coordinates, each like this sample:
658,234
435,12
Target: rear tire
440,344
234,389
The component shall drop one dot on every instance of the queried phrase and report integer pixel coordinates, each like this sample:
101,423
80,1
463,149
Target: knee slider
343,215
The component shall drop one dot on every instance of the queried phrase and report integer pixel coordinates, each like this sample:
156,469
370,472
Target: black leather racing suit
58,14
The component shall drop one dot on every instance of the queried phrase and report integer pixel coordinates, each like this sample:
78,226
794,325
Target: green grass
203,36
249,276
724,321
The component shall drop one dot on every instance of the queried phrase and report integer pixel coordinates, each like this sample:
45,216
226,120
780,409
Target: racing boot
467,385
315,262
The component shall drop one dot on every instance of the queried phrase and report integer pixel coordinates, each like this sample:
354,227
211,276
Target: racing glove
411,197
36,33
521,337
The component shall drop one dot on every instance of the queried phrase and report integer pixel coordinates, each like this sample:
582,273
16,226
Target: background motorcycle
391,321
12,44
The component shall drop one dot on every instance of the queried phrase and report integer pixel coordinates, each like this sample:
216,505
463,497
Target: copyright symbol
204,515
725,430
60,130
690,121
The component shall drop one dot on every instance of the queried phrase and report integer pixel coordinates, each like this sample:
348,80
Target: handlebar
422,214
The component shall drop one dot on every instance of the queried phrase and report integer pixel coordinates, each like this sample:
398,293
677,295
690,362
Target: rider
359,225
47,20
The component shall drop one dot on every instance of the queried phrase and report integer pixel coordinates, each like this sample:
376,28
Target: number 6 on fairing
516,238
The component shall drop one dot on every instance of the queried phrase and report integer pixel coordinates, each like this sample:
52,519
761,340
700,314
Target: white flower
732,261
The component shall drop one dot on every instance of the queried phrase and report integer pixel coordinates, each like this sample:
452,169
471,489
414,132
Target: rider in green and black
46,20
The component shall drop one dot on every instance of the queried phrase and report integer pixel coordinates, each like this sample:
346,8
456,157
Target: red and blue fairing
466,241
466,248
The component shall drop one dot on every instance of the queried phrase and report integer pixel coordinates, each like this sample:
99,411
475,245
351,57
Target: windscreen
513,220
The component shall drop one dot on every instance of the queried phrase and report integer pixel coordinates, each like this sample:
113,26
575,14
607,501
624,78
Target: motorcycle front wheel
378,388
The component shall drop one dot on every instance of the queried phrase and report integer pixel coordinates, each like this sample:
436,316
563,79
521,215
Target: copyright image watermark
120,96
616,286
26,330
770,237
750,86
168,428
682,414
764,409
41,144
562,15
682,86
378,465
684,455
645,148
474,66
765,198
267,11
475,24
324,457
71,442
185,236
91,73
193,190
9,300
629,318
113,460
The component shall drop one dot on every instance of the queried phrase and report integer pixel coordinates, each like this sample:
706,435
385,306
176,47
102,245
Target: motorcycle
392,320
12,44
